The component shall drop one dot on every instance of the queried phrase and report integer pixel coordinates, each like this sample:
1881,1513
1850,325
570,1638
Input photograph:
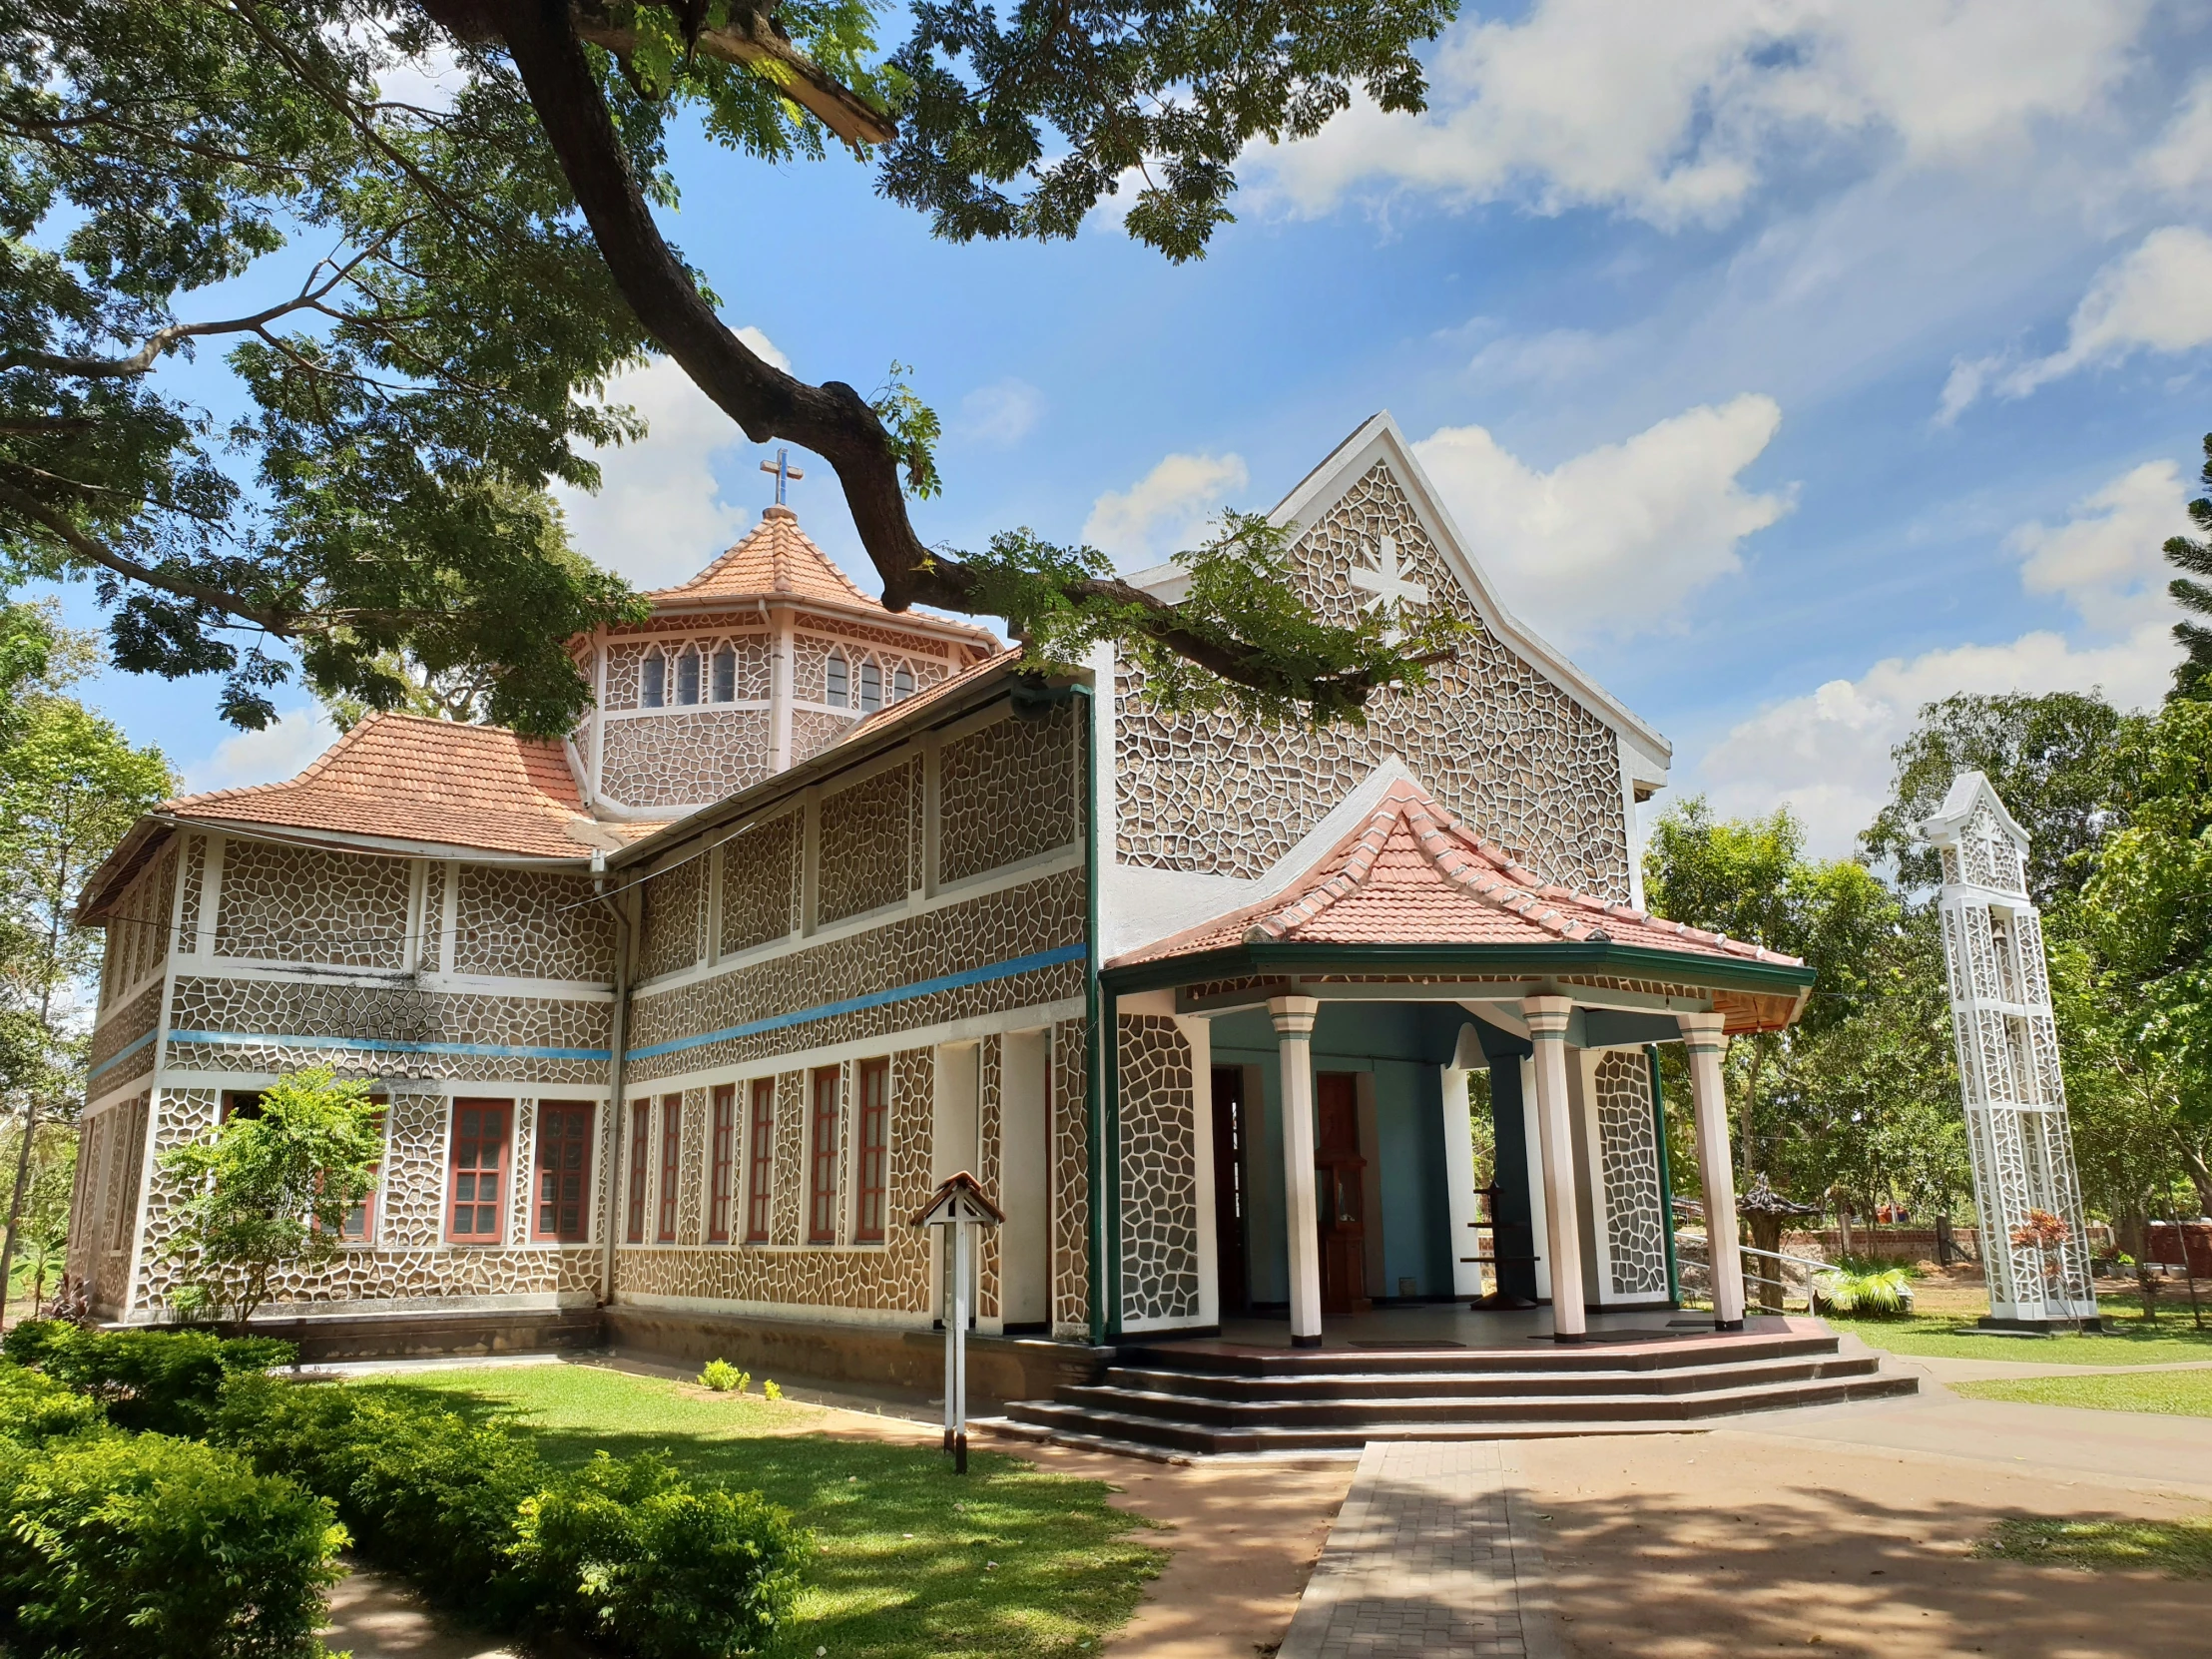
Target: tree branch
99,553
831,419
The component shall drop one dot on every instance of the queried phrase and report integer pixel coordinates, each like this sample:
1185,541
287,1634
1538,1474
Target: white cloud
659,515
1674,113
2156,299
2182,158
1827,754
999,415
278,751
1156,515
1539,359
1612,540
764,347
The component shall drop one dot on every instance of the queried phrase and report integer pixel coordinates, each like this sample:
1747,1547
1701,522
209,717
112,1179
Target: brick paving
1431,1554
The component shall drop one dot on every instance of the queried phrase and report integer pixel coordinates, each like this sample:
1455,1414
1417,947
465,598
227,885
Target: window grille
562,1213
903,683
672,1143
726,675
875,1147
359,1226
725,1154
687,676
871,687
641,1120
760,1175
821,1221
479,1171
839,680
653,681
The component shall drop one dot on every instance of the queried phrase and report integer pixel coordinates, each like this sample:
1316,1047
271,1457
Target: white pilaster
1467,1276
1294,1028
1547,1030
779,690
1703,1034
1532,1157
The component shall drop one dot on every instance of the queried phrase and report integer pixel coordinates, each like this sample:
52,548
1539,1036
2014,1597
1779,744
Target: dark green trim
1666,1177
1628,961
1109,1207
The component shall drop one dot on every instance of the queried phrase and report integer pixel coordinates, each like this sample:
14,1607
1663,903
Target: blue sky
1788,363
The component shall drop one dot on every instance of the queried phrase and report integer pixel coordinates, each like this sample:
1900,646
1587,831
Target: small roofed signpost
961,1207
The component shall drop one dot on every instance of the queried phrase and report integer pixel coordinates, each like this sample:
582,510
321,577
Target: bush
36,1409
722,1376
1867,1294
133,1544
158,1382
632,1553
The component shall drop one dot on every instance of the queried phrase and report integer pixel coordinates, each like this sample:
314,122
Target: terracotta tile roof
403,777
927,694
777,558
1412,873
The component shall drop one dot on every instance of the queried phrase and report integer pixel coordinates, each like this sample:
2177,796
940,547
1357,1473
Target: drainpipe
616,1105
1105,1272
1666,1177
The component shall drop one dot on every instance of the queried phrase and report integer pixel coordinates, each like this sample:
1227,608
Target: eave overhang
1290,959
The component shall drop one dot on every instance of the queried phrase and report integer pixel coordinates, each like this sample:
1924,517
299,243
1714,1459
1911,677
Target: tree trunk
15,1200
1765,1233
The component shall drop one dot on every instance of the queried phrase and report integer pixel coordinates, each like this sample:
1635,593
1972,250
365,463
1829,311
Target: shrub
771,1391
160,1381
632,1553
1868,1295
724,1377
130,1544
36,1409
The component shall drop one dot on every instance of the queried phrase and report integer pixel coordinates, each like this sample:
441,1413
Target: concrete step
1663,1354
1457,1383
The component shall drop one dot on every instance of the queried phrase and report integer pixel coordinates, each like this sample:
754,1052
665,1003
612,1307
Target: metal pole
956,1387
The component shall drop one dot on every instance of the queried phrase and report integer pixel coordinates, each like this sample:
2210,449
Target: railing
1691,1251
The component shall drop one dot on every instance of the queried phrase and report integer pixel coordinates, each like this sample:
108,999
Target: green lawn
2176,1393
2125,1341
914,1560
2182,1549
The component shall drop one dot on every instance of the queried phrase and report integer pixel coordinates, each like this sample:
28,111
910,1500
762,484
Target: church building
678,1022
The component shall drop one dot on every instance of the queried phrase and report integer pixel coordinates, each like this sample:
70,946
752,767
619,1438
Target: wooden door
1230,1193
1340,1182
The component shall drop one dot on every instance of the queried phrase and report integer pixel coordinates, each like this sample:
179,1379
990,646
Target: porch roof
1411,889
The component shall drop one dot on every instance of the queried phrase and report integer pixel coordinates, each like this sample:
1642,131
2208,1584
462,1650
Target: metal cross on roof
783,471
1386,578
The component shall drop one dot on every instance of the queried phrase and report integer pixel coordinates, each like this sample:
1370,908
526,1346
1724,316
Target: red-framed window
641,1144
875,1149
241,1103
723,1163
479,1171
759,1181
359,1226
821,1215
560,1212
672,1145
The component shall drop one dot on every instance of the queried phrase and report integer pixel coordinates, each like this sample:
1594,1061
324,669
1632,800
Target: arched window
653,684
686,674
871,687
726,672
902,682
839,682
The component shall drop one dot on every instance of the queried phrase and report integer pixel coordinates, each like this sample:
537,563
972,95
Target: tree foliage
2192,590
269,1191
439,288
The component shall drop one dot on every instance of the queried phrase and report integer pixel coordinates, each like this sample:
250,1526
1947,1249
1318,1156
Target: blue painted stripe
497,1051
875,1000
121,1055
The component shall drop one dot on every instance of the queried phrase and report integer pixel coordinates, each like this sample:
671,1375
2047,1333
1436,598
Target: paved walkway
1431,1555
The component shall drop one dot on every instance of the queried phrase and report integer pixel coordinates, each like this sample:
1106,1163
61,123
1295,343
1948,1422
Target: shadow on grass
2179,1549
911,1559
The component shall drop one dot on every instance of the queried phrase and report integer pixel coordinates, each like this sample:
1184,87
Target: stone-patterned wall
1500,743
523,922
673,903
1627,1143
814,730
1007,792
893,1277
867,836
684,758
309,1024
104,1210
1159,1172
195,884
1071,1182
138,927
788,1198
992,927
760,883
123,1027
302,904
626,657
691,1167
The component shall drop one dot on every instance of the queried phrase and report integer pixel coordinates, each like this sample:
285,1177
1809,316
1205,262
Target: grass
906,1549
2125,1341
2174,1394
2180,1549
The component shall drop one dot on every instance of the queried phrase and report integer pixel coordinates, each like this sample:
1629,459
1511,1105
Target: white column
780,689
1532,1158
1703,1035
1294,1028
1460,1205
1547,1030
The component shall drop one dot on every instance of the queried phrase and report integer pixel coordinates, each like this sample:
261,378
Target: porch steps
1209,1400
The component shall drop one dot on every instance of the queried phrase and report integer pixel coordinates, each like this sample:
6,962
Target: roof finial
783,471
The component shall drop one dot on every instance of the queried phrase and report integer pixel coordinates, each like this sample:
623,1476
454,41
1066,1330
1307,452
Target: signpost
960,1208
